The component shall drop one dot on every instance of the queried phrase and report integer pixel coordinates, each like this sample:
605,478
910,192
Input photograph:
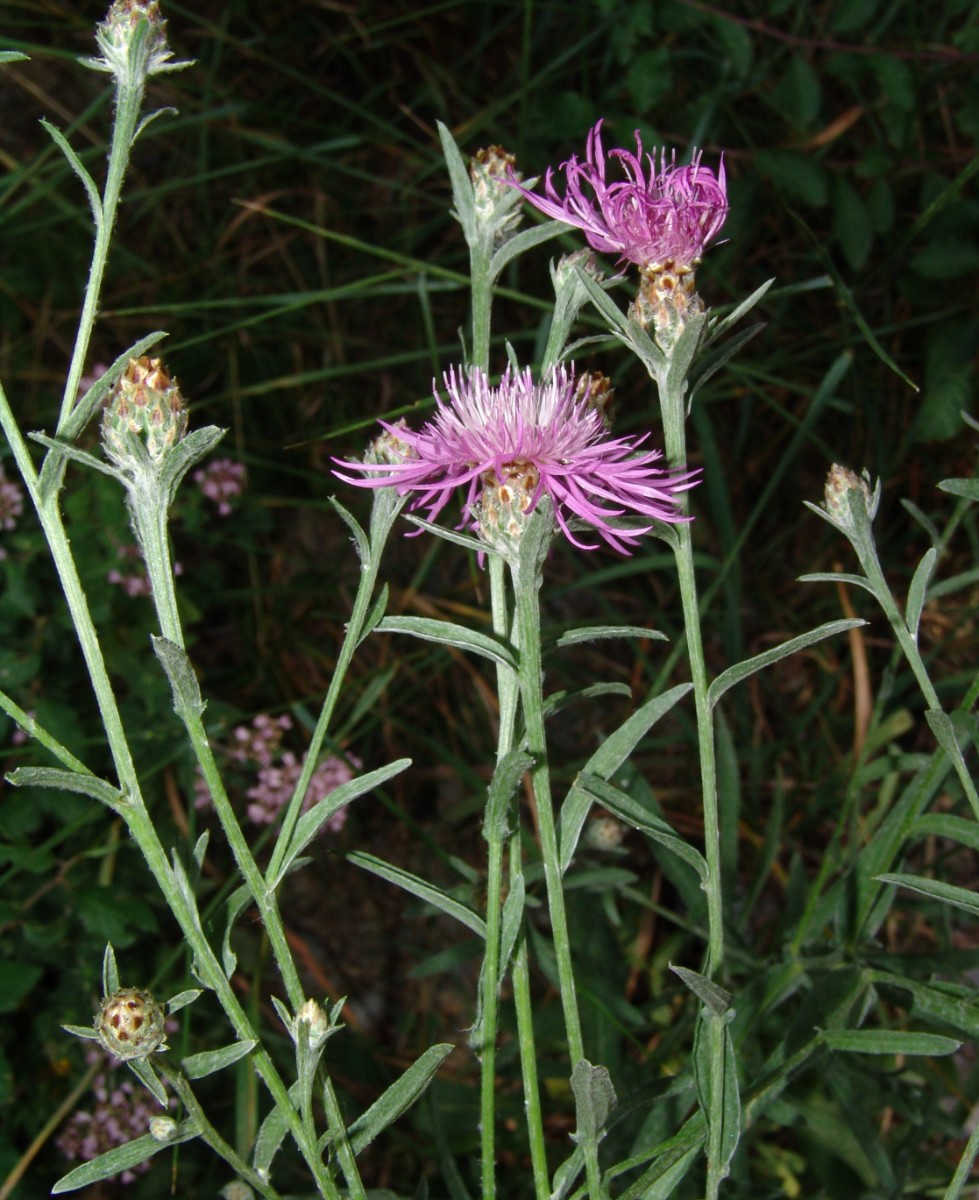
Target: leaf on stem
741,671
420,888
198,1066
187,702
110,971
594,1098
608,758
91,402
723,1111
446,633
76,164
888,1041
710,994
918,590
717,329
968,489
148,1077
238,901
507,775
311,822
122,1158
462,188
935,889
526,240
360,538
574,637
69,781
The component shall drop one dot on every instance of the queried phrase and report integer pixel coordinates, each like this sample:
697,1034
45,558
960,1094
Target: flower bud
841,485
237,1189
595,390
389,448
131,59
145,406
163,1129
130,1024
317,1020
496,203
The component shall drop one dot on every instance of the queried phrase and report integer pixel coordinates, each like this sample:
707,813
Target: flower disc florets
501,437
657,215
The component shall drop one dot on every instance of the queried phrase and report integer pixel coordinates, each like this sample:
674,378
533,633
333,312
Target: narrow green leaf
723,1112
69,781
76,164
626,809
91,402
836,576
684,352
508,773
198,1066
711,994
360,537
182,999
710,362
122,1158
399,1097
594,1099
272,1132
310,823
185,454
183,682
946,825
734,316
80,1031
12,56
935,889
33,730
741,671
967,488
110,971
238,901
451,535
376,614
144,1072
918,591
888,1041
462,188
446,633
79,456
574,637
511,922
418,887
524,241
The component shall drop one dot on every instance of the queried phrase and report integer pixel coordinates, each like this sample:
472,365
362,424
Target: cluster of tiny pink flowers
222,481
11,504
121,1113
260,745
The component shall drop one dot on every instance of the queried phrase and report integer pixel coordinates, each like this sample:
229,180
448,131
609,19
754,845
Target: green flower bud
145,408
132,60
130,1024
163,1129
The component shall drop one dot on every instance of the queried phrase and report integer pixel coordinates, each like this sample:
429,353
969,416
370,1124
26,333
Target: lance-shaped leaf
609,756
594,1099
717,329
574,637
918,591
144,1072
888,1041
396,1100
626,809
187,699
122,1158
310,823
935,889
715,998
525,240
238,901
76,164
462,188
197,1066
420,888
741,671
110,971
507,775
69,781
718,1091
446,633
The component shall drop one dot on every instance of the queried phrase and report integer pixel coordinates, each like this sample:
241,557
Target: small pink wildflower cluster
121,1113
259,745
11,504
222,481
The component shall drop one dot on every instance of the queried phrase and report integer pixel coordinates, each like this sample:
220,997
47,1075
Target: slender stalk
508,692
672,404
129,101
532,703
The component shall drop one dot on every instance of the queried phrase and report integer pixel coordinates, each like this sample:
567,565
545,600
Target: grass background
289,227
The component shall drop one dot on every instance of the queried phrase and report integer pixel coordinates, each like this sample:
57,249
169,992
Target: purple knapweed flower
528,440
666,216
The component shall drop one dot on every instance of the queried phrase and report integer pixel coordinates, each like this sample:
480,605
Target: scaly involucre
667,216
547,433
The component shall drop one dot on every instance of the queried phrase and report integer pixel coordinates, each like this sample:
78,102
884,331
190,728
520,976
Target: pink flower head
668,216
547,434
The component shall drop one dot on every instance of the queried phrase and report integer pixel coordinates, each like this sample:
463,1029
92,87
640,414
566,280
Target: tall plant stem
672,404
532,702
508,692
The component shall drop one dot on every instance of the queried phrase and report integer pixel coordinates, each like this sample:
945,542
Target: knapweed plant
517,465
